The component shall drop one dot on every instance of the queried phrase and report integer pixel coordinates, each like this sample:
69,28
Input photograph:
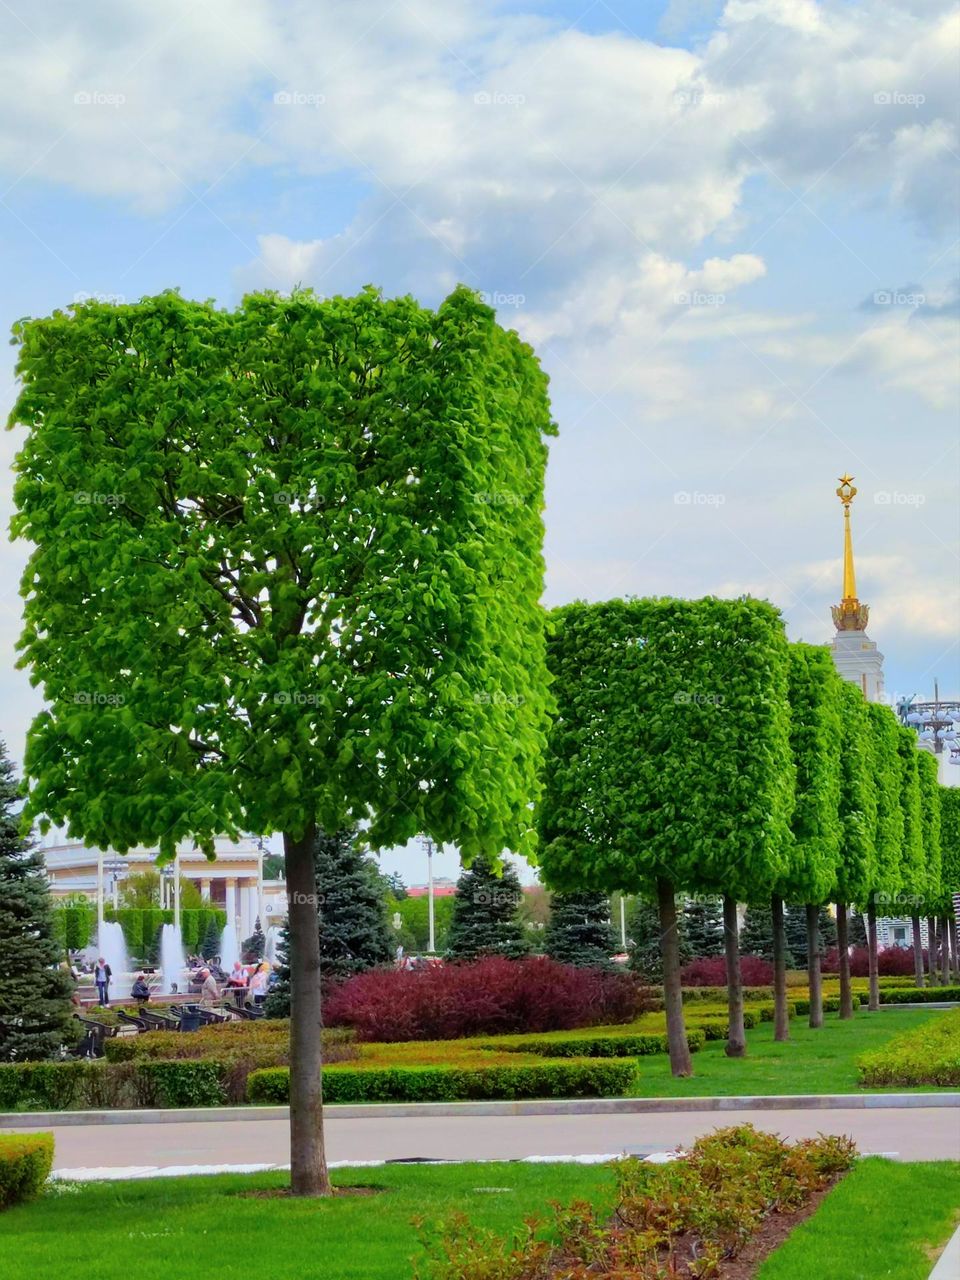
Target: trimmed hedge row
578,1078
25,1164
613,1046
65,1086
927,1055
919,995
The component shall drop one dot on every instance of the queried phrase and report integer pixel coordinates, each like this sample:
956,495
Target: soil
279,1193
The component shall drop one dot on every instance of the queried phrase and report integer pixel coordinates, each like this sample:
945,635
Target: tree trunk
308,1164
945,951
843,961
954,941
781,1017
814,980
917,951
736,1036
932,951
874,1003
680,1063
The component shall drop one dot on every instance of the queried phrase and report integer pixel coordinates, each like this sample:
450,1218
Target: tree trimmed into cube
305,541
669,765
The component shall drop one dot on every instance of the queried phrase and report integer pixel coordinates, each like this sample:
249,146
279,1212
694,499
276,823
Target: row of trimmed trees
695,750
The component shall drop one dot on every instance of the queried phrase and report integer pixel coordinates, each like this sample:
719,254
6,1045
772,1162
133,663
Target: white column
230,902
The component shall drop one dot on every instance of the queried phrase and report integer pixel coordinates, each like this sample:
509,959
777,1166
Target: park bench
91,1046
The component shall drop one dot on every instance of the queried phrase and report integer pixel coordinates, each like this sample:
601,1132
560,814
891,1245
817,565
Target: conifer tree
486,914
703,926
646,954
35,992
351,917
578,931
756,933
254,946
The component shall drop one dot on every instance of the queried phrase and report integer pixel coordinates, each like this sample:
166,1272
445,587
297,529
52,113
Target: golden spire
849,614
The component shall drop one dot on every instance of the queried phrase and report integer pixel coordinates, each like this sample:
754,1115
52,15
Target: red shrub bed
485,997
712,972
892,962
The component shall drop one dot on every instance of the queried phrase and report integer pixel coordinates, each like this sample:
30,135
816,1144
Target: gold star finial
850,614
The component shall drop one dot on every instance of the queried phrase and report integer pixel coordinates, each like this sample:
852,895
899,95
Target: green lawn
200,1229
823,1061
879,1222
883,1220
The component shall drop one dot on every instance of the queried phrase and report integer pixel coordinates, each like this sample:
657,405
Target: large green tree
486,914
926,886
950,864
304,540
889,780
815,741
669,766
351,917
578,930
857,814
35,990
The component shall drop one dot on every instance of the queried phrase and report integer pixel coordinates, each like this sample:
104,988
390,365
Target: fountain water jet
173,959
112,946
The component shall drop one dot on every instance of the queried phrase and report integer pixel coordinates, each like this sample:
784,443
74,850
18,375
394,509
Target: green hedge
927,1055
613,1046
919,995
25,1163
84,1085
573,1079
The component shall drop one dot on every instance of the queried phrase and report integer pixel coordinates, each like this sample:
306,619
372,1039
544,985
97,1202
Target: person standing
102,973
209,991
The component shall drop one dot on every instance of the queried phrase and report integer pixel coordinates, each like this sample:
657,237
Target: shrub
712,972
688,1217
64,1086
918,995
612,1046
927,1055
891,962
25,1163
490,996
572,1079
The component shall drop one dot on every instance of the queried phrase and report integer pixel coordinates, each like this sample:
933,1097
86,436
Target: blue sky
729,229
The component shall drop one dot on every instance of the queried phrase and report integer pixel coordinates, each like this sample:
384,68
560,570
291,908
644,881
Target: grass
822,1061
201,1228
883,1220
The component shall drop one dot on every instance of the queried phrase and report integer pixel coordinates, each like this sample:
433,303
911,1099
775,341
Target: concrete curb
432,1110
922,1004
947,1266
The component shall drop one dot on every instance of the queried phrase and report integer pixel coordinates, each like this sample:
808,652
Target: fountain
229,948
112,946
271,943
173,959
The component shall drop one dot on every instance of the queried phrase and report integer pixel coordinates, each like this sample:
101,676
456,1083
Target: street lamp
117,869
167,873
933,722
428,845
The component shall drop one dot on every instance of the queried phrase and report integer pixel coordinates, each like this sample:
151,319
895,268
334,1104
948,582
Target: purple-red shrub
711,971
892,962
490,996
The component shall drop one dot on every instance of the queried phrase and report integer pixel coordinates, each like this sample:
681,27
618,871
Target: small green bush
918,995
66,1086
574,1079
927,1055
611,1046
25,1163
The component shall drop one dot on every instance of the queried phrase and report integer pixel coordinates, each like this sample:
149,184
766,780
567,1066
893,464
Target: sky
729,230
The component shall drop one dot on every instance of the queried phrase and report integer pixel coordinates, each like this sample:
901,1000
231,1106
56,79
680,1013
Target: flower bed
928,1055
734,1195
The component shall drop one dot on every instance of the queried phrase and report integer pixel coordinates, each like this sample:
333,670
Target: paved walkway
906,1133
